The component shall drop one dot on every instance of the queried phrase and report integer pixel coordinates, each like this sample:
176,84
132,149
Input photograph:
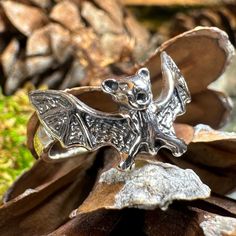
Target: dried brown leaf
193,59
97,224
208,107
188,221
46,191
195,63
212,155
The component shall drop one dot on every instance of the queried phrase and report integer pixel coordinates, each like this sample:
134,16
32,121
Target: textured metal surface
143,125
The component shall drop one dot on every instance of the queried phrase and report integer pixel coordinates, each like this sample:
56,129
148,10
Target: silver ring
69,127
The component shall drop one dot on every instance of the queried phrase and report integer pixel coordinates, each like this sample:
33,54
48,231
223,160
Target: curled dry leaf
196,65
148,186
46,190
212,155
177,220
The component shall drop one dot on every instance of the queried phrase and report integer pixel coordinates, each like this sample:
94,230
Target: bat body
143,124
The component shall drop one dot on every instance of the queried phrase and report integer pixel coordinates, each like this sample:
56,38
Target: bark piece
123,46
148,186
25,18
218,225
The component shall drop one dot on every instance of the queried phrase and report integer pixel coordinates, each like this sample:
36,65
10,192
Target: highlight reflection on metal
143,125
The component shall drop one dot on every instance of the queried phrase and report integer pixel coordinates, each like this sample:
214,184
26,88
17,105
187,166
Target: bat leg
127,164
177,146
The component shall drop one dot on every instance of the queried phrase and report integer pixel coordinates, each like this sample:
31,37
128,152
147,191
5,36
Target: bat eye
144,72
110,85
141,97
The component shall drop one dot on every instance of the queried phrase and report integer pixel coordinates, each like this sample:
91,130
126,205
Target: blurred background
62,44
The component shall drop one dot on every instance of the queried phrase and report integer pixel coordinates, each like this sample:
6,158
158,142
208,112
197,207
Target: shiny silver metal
69,126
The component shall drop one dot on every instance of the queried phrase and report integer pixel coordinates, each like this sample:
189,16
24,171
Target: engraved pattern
63,116
176,105
56,112
106,131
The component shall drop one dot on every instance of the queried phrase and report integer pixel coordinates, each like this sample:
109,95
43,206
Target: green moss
15,158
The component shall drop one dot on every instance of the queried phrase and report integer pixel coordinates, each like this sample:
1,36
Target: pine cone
223,17
86,195
67,43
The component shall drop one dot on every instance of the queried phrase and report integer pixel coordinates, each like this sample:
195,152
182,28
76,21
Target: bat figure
143,124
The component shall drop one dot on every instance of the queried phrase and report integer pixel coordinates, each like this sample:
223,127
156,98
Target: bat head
133,92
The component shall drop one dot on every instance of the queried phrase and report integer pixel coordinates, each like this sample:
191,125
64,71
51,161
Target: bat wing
73,123
175,98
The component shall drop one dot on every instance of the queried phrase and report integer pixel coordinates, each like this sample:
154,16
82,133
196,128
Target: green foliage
15,158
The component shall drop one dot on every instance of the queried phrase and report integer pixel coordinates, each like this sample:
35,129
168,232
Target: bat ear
110,85
144,73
